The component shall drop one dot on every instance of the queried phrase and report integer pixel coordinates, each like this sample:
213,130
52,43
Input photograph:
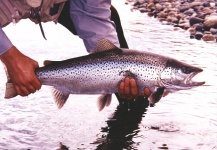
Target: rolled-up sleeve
92,21
5,43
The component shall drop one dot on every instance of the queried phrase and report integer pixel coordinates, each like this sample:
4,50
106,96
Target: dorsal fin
104,45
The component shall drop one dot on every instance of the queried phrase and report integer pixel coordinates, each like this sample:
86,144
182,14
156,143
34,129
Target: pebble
199,17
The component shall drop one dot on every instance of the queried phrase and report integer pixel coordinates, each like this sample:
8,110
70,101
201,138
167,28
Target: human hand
128,89
21,70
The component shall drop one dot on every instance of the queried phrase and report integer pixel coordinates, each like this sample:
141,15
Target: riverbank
199,17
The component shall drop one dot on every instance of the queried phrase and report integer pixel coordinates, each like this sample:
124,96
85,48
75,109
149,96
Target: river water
186,120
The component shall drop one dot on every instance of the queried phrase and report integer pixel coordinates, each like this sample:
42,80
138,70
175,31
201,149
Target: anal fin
104,100
60,97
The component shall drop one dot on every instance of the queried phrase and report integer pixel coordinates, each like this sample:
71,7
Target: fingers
134,89
25,81
23,91
121,90
21,70
37,85
128,89
27,87
124,88
146,93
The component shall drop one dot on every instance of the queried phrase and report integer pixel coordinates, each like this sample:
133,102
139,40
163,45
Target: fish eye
186,70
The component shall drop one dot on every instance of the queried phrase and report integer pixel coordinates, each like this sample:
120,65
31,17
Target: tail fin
10,91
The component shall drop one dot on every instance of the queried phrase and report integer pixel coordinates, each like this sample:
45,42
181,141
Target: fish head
178,75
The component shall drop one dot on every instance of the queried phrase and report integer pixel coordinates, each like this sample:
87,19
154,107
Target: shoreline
199,17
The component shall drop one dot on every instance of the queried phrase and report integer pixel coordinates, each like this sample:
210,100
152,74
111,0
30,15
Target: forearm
5,43
92,21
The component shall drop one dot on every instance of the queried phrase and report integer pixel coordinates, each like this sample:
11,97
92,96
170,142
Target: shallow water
185,120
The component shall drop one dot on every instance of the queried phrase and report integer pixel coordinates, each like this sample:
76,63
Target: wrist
9,55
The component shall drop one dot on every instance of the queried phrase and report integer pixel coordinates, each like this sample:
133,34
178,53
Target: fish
101,71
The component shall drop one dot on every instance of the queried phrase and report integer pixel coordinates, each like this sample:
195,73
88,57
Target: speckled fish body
102,71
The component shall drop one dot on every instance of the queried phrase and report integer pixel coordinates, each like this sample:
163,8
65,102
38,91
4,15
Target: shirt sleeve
5,43
92,21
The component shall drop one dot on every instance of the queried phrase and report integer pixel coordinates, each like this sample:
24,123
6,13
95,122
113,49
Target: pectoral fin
127,73
60,97
165,94
156,96
104,100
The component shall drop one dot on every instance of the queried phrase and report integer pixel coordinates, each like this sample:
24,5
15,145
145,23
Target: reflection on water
123,126
183,120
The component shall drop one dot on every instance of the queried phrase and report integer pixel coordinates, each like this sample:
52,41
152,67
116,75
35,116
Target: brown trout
101,72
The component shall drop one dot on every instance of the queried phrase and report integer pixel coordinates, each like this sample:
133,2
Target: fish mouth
184,84
188,82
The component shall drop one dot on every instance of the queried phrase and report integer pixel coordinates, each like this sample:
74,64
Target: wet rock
206,4
194,4
191,30
151,6
138,3
183,9
201,15
208,37
195,20
199,28
213,31
192,36
190,1
185,25
207,11
176,29
180,16
162,15
172,13
210,22
165,22
189,12
158,7
150,14
198,35
143,10
172,19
